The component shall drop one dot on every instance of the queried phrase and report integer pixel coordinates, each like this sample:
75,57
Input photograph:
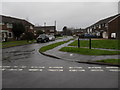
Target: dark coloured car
42,38
90,36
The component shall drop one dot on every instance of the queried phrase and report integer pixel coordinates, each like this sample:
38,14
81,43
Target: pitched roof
106,20
8,19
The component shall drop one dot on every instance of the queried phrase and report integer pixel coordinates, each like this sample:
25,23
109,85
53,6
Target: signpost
89,43
87,39
78,42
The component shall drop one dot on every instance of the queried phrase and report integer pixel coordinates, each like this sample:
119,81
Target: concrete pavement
79,57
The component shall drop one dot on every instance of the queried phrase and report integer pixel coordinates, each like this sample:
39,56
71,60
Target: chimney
44,23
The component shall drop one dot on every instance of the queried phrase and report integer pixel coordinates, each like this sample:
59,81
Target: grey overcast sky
70,14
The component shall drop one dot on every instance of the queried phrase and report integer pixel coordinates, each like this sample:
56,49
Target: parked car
90,36
42,38
51,37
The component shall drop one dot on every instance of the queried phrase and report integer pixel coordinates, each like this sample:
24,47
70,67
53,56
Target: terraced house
106,28
6,24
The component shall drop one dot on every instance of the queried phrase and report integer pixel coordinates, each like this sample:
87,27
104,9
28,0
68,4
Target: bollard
89,43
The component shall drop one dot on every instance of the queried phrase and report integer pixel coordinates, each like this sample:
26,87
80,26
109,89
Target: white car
51,37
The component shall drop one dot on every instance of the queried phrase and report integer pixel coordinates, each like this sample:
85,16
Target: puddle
17,55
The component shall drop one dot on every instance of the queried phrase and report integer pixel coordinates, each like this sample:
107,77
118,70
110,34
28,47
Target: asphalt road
25,67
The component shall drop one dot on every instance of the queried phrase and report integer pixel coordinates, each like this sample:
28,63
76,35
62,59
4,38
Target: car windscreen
42,36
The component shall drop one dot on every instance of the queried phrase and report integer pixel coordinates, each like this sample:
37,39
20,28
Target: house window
88,30
99,26
98,33
9,25
31,27
51,30
106,25
103,25
91,30
94,27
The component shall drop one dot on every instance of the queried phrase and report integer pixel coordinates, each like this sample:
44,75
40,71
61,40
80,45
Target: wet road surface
25,67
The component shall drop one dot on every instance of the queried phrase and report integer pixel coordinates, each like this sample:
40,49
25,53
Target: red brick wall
113,27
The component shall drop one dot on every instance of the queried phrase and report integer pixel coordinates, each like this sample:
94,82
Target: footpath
73,57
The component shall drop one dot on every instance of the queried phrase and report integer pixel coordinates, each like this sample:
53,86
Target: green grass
15,43
51,46
107,44
113,61
86,51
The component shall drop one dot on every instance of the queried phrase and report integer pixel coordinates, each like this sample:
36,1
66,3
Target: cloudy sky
70,14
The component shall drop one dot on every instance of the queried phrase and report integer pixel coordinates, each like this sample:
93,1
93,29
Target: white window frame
9,25
31,27
113,35
51,30
106,25
88,30
91,30
99,26
94,27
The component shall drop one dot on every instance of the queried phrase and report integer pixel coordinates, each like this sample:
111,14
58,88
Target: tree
65,30
18,29
28,36
39,32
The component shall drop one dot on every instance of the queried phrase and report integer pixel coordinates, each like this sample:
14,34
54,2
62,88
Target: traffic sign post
89,43
78,42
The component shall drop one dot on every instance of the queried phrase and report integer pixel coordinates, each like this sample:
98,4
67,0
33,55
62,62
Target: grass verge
16,43
112,61
86,51
51,46
107,44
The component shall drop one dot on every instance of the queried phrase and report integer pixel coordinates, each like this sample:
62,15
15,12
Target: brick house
50,30
6,24
78,32
105,28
